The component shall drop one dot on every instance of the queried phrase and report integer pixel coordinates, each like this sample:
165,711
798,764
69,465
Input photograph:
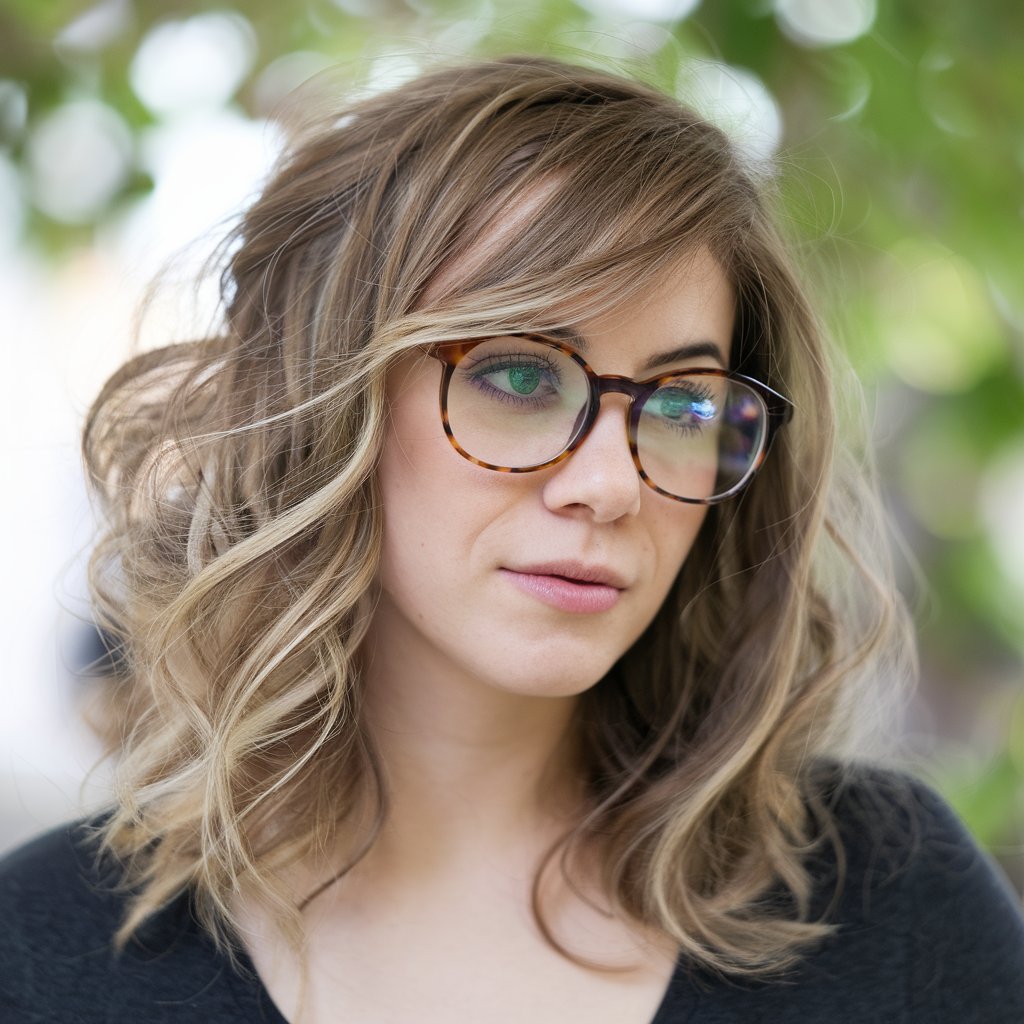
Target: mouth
569,586
575,572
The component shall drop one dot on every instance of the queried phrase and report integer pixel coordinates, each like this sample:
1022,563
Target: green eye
673,404
524,379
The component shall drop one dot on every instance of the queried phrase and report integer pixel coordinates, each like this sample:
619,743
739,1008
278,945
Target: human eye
516,378
685,406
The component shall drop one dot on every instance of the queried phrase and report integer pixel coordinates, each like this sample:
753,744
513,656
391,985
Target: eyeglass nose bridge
602,384
614,384
611,384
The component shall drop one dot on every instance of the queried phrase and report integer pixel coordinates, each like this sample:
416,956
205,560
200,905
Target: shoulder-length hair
237,473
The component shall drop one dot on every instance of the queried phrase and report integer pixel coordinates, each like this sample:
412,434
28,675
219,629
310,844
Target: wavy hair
242,537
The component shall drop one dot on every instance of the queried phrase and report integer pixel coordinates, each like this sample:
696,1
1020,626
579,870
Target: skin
451,527
471,685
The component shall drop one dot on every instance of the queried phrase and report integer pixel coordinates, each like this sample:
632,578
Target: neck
470,769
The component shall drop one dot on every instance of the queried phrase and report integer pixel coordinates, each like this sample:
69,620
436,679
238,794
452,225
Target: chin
546,676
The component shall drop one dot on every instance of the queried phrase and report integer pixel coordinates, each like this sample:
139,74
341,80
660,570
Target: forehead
685,315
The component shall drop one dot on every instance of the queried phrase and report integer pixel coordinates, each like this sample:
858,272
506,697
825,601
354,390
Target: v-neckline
248,987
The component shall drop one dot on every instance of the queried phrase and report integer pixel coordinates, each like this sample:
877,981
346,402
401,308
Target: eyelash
471,362
476,371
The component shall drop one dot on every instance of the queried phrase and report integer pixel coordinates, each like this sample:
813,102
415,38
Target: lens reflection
700,435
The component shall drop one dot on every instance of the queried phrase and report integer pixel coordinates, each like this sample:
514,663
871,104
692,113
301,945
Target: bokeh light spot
79,156
643,10
824,22
206,168
359,8
940,329
389,71
739,103
279,79
95,28
181,65
13,111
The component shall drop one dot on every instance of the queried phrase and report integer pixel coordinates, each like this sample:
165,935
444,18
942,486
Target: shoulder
61,904
897,833
922,912
55,886
927,930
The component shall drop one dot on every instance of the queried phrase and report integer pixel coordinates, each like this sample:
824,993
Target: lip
569,586
575,571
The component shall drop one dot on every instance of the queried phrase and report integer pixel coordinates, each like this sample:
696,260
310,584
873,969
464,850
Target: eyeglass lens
517,403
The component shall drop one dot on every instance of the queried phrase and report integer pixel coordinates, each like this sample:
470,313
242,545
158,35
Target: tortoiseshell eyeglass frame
779,409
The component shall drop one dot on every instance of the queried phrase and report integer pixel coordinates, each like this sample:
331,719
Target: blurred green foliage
901,171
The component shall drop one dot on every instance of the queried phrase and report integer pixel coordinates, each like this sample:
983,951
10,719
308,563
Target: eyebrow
691,350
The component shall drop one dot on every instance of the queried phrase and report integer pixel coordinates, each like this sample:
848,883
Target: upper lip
583,572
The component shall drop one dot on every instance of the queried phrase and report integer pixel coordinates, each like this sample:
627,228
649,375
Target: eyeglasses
519,403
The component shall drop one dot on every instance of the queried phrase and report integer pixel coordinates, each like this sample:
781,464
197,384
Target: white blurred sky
67,326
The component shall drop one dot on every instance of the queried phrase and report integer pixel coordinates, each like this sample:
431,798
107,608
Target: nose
599,477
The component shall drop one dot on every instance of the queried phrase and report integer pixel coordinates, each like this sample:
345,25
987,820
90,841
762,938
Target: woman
488,627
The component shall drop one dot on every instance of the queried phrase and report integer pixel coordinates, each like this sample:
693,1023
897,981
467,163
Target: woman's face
478,566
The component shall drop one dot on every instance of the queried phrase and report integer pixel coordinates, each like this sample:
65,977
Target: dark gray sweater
929,933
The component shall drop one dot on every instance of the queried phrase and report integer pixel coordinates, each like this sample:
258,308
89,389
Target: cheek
407,476
434,501
416,520
674,534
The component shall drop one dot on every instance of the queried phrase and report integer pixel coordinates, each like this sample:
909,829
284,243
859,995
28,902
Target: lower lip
565,595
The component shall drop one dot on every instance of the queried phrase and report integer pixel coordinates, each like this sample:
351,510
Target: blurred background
132,131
